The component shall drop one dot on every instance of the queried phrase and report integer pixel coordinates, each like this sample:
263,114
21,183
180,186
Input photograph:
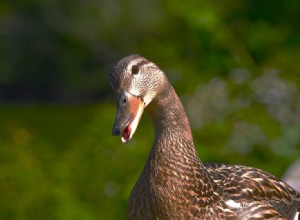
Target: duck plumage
174,183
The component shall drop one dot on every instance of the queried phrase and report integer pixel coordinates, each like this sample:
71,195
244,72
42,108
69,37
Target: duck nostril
123,100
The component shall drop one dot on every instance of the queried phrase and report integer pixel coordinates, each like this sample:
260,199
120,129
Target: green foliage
63,163
234,64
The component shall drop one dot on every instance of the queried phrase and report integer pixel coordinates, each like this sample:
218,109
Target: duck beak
129,113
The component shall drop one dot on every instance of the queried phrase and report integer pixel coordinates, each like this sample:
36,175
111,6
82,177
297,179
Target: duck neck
169,118
173,158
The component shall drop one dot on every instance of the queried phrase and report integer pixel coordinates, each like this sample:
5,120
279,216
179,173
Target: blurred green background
234,64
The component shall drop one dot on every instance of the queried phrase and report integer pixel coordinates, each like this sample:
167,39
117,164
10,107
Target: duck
175,183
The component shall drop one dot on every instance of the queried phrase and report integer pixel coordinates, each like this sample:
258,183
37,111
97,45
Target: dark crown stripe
143,62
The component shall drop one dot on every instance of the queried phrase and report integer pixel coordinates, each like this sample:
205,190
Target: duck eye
135,69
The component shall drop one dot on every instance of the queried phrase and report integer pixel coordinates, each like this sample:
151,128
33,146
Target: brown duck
175,184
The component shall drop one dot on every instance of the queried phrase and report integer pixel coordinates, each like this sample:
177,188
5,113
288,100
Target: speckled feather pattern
175,184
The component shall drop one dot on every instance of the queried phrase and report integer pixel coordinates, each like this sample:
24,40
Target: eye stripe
143,62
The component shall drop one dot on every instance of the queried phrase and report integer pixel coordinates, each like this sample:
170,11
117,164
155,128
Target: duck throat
168,115
174,168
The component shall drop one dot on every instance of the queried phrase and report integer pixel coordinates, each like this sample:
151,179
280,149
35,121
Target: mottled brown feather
174,183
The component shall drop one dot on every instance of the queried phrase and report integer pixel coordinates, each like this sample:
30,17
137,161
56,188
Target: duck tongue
126,134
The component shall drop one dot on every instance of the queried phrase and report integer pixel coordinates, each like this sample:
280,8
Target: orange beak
130,110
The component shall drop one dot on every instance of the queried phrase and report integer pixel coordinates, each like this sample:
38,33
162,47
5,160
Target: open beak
130,110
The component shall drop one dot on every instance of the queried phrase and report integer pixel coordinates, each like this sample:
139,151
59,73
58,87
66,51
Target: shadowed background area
235,66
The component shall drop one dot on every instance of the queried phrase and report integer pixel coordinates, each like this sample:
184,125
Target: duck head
136,82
